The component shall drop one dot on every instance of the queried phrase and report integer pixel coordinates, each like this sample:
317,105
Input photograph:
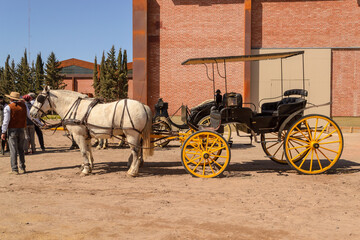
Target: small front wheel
317,140
205,154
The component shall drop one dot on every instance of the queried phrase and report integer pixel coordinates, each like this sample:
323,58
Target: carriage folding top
242,58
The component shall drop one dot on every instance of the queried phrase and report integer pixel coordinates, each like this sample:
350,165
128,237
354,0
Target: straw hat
14,96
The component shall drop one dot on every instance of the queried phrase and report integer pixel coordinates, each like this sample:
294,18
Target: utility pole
29,13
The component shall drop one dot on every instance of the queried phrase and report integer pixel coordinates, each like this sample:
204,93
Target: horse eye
41,98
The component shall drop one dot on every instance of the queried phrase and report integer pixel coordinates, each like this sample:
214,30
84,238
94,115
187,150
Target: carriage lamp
232,101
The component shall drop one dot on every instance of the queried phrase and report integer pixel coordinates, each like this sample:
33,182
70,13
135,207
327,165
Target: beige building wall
266,76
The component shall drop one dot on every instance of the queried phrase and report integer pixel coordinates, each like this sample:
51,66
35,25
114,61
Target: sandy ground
257,198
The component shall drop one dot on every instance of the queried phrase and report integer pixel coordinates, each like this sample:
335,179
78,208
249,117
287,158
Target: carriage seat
287,105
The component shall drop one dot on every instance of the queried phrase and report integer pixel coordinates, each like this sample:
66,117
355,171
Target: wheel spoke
330,142
327,136
302,133
192,160
330,150
324,155
302,146
317,156
307,154
311,159
309,130
217,149
196,165
317,120
300,154
327,124
298,139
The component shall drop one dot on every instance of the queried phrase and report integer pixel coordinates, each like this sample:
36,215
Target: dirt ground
257,198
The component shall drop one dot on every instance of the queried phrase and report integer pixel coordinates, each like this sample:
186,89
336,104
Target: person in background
29,130
37,128
13,125
2,106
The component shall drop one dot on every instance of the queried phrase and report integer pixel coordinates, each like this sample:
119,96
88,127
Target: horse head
42,103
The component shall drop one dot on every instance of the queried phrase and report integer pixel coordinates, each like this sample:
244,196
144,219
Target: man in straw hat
14,123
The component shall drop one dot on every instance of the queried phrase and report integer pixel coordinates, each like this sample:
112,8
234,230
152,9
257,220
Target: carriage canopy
242,58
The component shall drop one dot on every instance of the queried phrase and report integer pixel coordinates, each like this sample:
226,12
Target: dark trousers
40,136
16,146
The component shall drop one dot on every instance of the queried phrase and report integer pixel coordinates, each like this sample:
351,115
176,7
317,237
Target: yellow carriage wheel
274,149
205,154
205,121
319,142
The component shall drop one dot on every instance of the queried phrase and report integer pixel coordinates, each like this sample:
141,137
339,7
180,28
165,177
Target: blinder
41,98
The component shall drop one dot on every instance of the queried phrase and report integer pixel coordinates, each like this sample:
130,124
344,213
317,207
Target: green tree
23,75
39,74
125,76
96,80
102,88
12,78
111,82
53,78
122,75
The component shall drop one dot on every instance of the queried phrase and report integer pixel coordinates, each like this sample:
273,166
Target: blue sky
79,29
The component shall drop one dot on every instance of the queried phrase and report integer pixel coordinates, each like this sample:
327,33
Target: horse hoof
82,174
132,174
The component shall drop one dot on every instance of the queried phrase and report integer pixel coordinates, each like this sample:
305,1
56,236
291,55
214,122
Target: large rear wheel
319,142
205,154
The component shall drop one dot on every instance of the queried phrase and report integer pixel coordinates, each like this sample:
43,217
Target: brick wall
182,29
346,83
289,24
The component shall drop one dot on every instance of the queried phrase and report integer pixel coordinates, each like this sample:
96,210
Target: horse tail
148,145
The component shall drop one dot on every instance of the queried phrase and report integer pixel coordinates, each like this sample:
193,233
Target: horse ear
47,88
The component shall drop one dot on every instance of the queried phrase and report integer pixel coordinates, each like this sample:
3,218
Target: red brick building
79,75
167,32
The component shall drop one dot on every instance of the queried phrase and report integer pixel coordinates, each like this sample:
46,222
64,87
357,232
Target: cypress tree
110,76
23,75
125,76
13,76
53,78
39,73
120,75
96,82
7,81
102,79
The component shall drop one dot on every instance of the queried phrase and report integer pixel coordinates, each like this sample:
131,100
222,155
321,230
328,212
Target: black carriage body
271,117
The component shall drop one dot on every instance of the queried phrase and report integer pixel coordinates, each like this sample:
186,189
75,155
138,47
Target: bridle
41,98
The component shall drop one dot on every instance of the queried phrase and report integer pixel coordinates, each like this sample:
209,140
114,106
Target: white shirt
6,120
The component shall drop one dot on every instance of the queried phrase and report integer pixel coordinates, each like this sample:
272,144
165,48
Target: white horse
84,120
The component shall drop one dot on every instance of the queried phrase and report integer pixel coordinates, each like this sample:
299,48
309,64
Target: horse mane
70,93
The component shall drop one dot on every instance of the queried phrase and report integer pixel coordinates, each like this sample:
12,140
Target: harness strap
90,107
113,119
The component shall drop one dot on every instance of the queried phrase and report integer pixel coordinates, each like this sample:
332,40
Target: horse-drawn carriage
310,144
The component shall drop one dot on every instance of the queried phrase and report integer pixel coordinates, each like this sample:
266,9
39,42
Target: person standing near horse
14,124
29,130
37,128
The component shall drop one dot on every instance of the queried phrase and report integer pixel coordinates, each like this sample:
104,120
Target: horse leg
134,143
134,167
83,145
90,155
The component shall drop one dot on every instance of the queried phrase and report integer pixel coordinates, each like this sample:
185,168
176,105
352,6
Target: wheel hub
315,145
206,155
